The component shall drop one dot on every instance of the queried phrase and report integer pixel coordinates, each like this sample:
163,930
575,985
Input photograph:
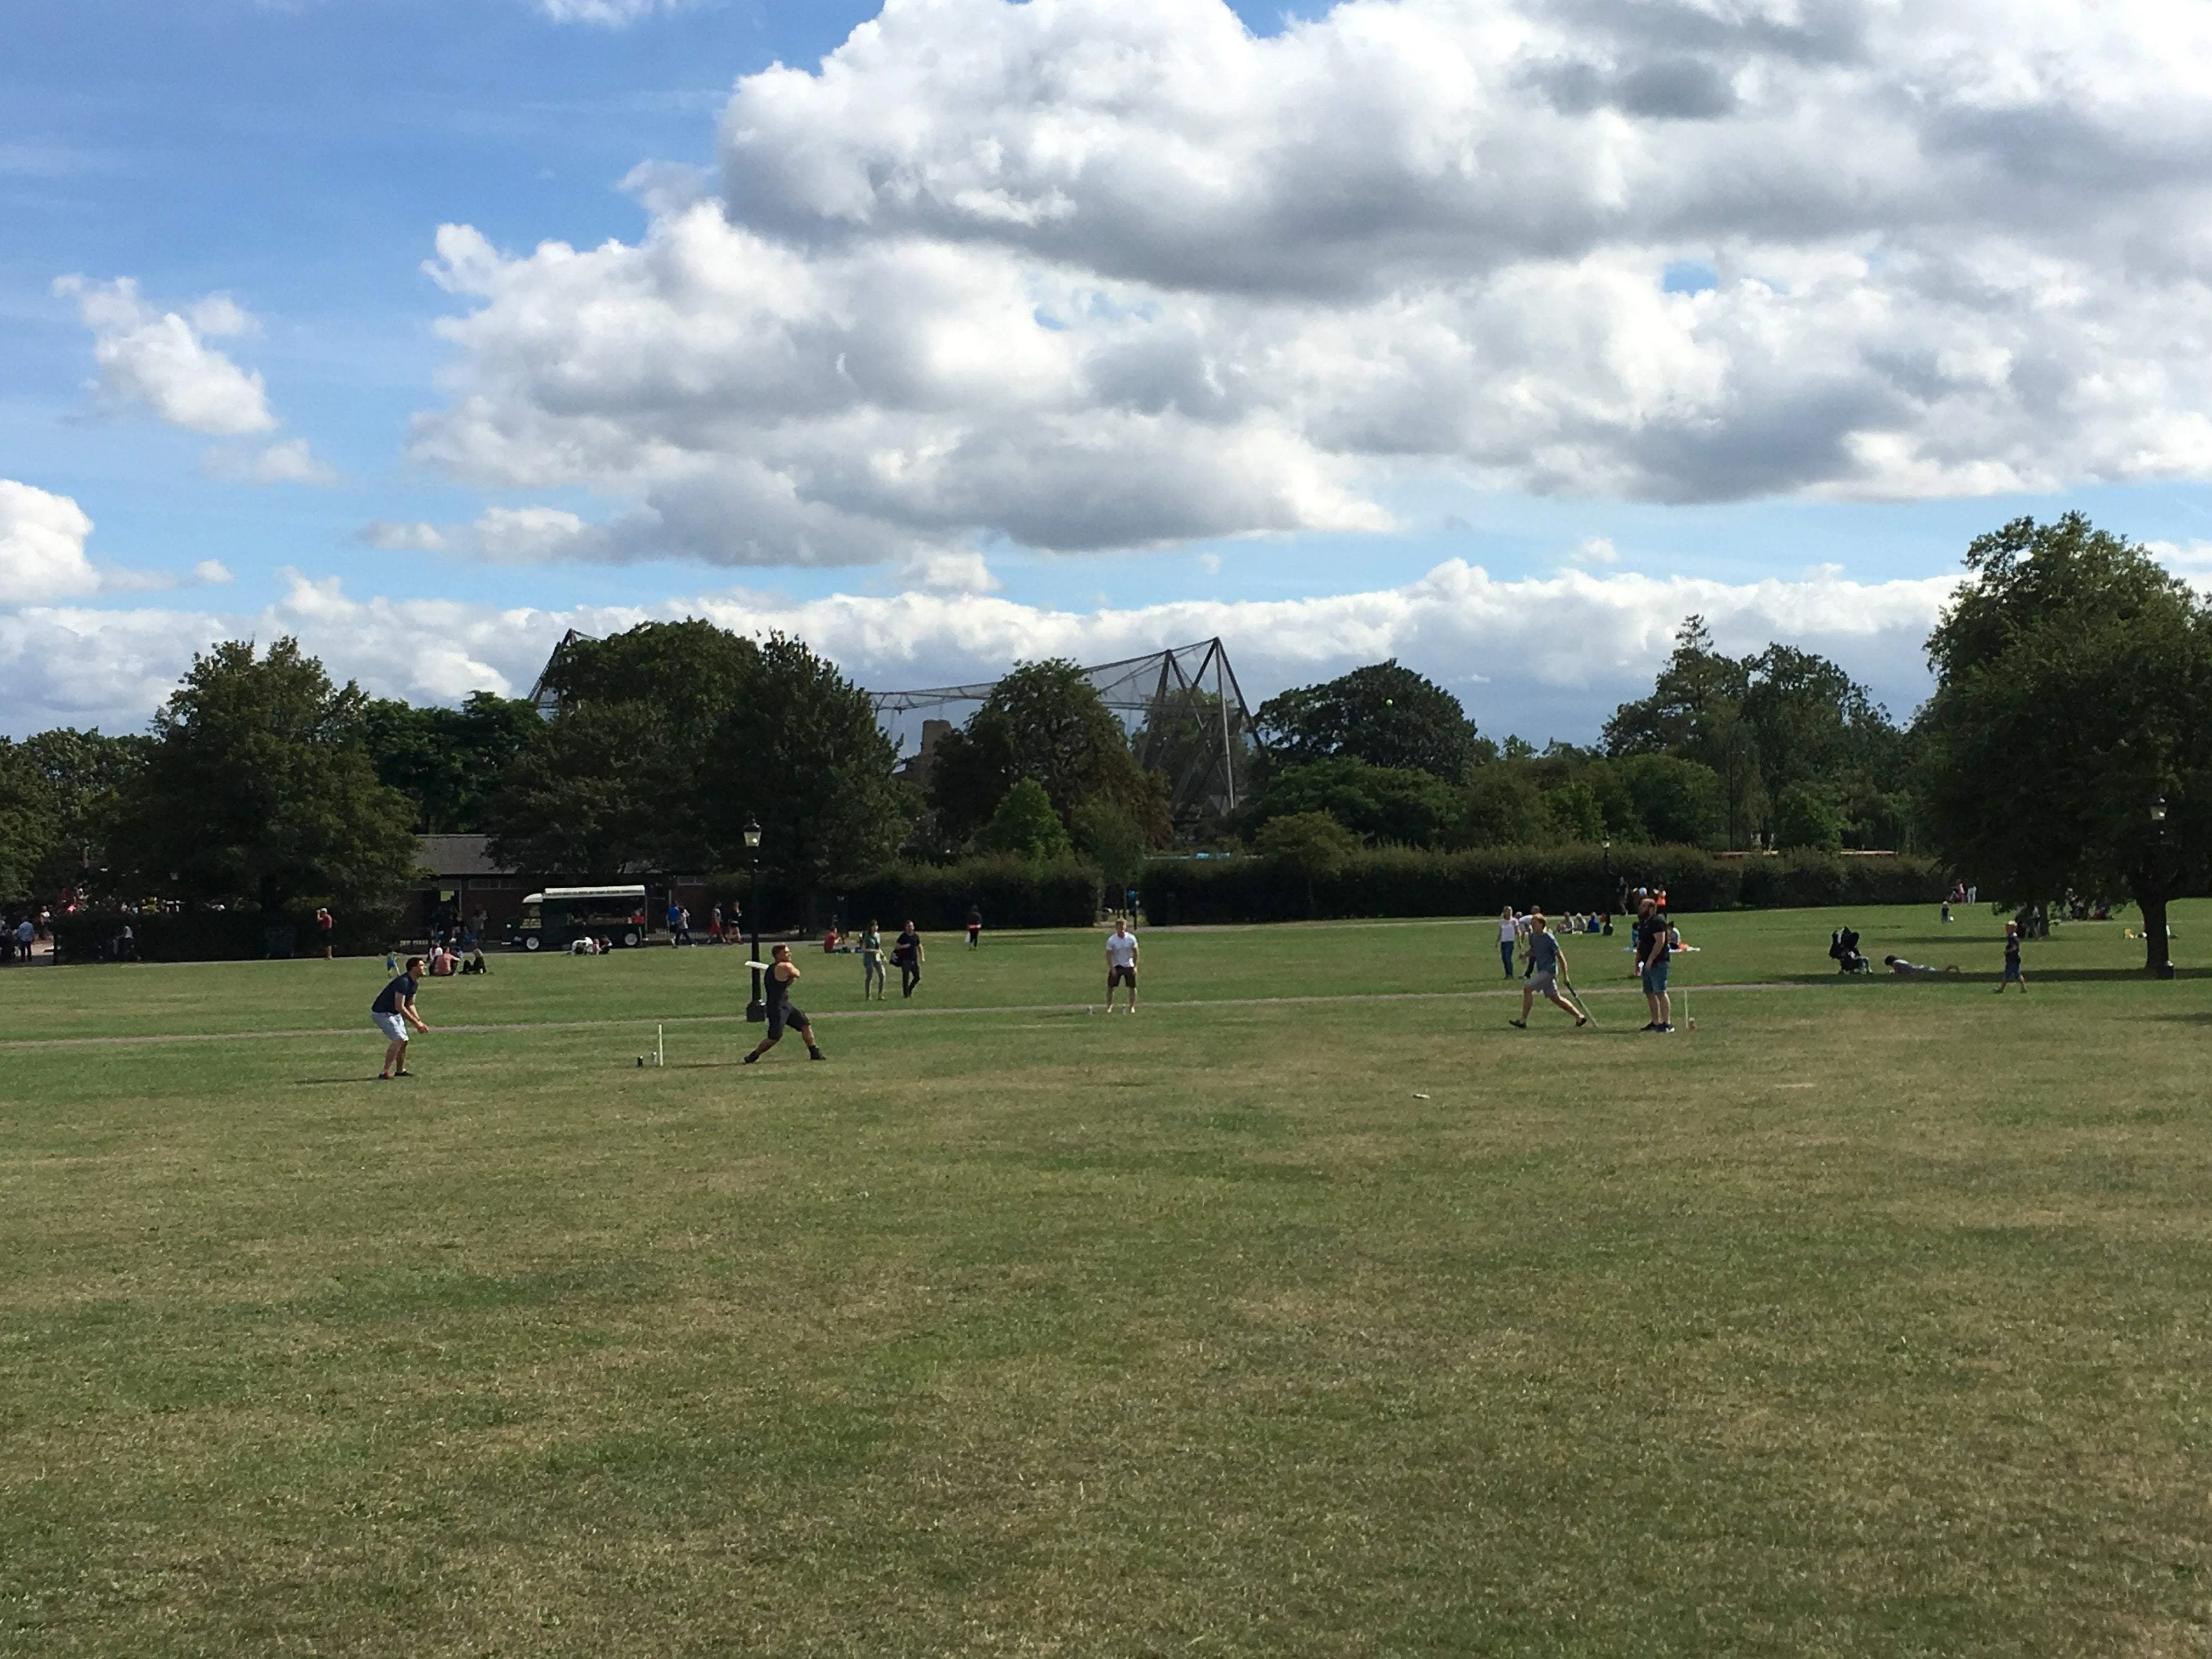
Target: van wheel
630,939
530,941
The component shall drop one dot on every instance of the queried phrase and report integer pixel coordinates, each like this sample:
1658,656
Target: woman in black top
907,952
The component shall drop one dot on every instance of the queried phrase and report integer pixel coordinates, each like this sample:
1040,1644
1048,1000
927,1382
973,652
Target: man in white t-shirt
1121,964
1510,930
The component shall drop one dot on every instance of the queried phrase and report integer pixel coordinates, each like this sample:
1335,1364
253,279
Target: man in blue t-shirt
1546,963
393,1010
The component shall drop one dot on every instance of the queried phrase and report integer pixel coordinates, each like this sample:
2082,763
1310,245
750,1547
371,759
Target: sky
1496,336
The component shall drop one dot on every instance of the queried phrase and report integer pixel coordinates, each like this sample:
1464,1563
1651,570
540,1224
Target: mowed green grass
1870,1317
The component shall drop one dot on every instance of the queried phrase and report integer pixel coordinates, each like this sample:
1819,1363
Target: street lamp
2165,945
757,1010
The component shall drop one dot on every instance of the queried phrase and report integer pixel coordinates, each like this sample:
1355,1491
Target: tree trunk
2158,961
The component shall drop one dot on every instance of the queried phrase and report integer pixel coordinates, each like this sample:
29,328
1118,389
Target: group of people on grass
1527,943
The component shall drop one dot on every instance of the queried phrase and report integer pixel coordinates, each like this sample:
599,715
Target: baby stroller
1844,946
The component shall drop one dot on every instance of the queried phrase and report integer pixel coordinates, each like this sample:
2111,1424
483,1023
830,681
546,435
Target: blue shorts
1655,980
2012,971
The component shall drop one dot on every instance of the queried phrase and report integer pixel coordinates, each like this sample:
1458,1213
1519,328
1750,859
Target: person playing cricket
393,1010
781,972
1121,964
1546,961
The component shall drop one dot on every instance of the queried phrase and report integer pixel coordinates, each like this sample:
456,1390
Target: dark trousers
910,977
1505,955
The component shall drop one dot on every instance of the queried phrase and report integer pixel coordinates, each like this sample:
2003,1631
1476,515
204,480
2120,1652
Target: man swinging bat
781,973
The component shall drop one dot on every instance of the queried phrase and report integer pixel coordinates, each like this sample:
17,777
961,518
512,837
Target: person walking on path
872,979
714,925
974,926
1654,953
1121,964
1509,938
1546,961
781,972
907,953
2012,973
393,1010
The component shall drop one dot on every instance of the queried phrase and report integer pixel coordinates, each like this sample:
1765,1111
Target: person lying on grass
393,1011
1546,961
1915,970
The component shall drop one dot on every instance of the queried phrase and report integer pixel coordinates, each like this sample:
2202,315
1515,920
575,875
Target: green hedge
220,935
1408,882
1010,892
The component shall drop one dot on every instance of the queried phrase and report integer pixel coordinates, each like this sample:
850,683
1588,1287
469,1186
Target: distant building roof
459,855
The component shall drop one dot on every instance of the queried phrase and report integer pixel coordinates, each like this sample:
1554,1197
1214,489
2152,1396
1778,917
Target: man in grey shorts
393,1012
1546,961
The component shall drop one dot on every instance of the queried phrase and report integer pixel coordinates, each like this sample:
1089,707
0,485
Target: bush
1802,818
1026,824
1406,882
1010,892
239,935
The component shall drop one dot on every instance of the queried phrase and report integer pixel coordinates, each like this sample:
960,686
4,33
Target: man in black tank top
781,973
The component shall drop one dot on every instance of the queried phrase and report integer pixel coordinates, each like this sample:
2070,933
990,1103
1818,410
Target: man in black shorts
781,973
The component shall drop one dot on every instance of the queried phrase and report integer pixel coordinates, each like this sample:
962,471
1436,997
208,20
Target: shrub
1026,824
1010,891
1803,819
1407,882
238,935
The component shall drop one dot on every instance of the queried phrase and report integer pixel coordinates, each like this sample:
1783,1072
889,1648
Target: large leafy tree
1384,715
1386,804
2073,707
1044,721
447,761
800,752
1764,723
257,788
667,739
57,799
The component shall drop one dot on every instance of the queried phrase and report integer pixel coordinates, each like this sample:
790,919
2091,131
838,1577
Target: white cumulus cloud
42,538
1116,273
161,358
1544,656
607,14
289,462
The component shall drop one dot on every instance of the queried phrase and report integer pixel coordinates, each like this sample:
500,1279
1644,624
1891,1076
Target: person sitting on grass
393,1011
475,964
1546,961
781,974
1899,966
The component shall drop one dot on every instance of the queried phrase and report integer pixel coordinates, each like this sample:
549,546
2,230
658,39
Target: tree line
2064,750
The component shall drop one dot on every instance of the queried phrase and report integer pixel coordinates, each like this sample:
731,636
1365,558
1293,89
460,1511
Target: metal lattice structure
1183,708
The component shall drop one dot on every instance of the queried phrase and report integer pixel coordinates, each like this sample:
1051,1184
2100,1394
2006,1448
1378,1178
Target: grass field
1311,1311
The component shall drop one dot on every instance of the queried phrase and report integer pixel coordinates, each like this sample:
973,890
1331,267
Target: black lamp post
757,1010
2165,946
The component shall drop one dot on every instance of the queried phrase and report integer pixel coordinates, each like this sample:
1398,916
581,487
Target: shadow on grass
332,1082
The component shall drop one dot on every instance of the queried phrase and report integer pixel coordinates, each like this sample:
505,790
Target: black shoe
815,1053
1649,1025
750,1058
1518,1024
1664,1030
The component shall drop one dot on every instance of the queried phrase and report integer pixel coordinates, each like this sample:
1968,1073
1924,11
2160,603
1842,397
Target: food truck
557,918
